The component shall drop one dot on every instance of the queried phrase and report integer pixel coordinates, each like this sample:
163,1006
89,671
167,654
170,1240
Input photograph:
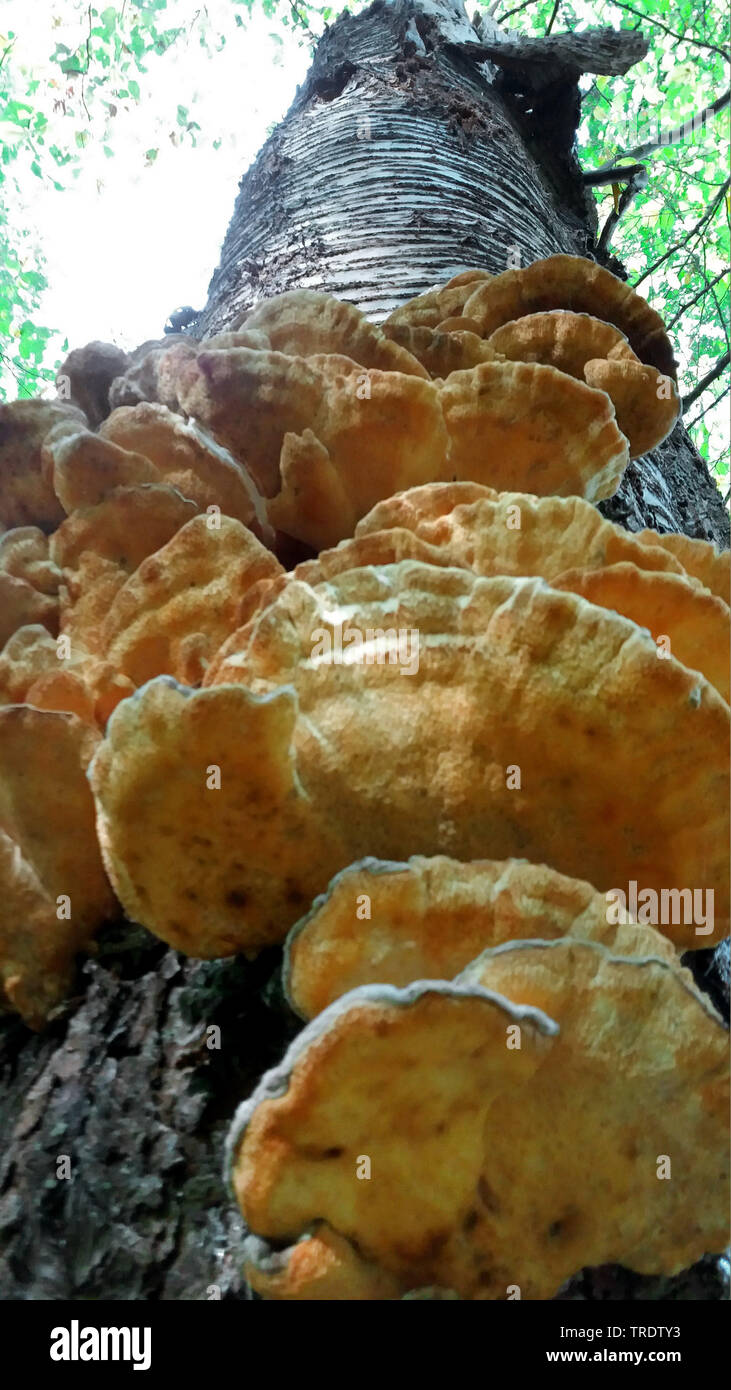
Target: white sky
126,242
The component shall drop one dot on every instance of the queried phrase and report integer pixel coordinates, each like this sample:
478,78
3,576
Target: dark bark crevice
127,1088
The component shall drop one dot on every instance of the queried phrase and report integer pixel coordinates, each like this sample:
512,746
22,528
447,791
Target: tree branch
539,61
690,302
637,182
699,43
707,380
671,137
693,232
705,410
554,12
616,173
508,13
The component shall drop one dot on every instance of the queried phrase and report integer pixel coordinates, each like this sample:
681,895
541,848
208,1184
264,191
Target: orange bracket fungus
179,604
423,1067
426,711
86,376
32,672
511,422
516,533
702,560
305,324
388,923
323,437
53,890
455,1089
571,282
27,497
311,634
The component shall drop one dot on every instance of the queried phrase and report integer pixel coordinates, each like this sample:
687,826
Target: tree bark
402,160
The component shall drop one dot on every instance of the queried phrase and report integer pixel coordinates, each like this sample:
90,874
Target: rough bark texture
451,171
398,163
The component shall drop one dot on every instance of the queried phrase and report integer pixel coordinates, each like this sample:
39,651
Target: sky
129,241
132,238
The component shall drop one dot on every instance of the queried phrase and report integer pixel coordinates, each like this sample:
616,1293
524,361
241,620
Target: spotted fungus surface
503,719
447,1094
427,919
54,893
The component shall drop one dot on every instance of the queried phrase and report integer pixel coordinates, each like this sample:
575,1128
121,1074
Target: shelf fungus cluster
467,763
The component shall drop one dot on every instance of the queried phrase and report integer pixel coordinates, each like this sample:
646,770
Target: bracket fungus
572,282
431,309
423,1067
87,375
522,424
515,533
24,554
152,372
560,338
471,701
21,604
682,616
183,459
53,890
327,414
303,323
646,403
387,923
702,560
439,351
98,547
424,1083
179,604
322,436
26,496
32,673
392,751
84,468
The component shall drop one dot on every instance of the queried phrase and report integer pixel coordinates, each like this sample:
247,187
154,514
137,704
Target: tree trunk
401,162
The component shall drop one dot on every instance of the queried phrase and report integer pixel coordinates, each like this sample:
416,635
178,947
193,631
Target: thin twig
693,232
708,407
701,294
707,380
635,185
554,12
517,10
86,69
656,24
302,21
671,137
